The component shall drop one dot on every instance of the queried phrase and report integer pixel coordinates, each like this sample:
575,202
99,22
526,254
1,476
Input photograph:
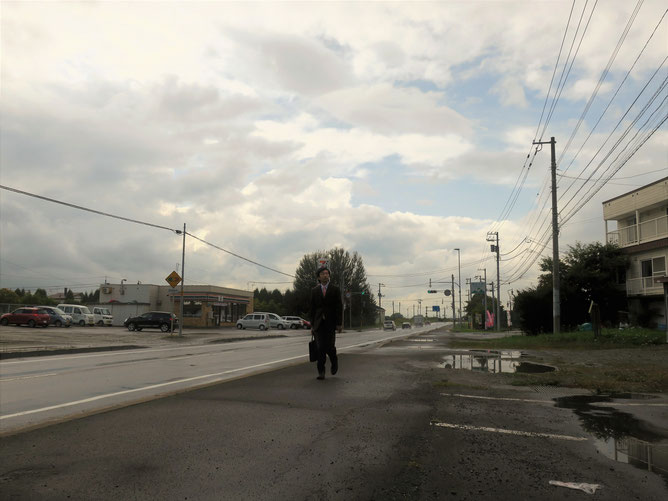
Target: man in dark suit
326,319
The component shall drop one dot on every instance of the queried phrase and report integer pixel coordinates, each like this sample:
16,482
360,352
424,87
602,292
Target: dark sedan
162,320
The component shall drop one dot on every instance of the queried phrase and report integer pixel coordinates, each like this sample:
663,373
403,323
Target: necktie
324,291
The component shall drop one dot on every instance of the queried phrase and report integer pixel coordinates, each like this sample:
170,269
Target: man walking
326,311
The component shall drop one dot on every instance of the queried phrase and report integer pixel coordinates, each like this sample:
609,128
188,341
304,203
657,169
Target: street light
459,268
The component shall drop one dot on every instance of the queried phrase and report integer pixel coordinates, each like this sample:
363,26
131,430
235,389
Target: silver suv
295,322
277,322
254,321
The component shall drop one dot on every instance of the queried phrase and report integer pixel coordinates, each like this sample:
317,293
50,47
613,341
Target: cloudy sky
399,130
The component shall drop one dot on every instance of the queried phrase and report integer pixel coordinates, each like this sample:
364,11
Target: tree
476,306
587,272
348,274
8,296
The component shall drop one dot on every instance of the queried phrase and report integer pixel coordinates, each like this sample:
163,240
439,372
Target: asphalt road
42,389
392,424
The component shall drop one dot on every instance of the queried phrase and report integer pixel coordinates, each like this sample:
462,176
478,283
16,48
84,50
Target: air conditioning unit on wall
106,290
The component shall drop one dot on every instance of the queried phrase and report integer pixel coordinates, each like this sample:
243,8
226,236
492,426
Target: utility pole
484,302
183,279
495,248
459,284
454,314
493,298
556,308
380,310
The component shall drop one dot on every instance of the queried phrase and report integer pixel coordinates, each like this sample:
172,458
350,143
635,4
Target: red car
32,317
306,323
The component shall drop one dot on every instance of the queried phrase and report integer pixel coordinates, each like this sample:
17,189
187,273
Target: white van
81,315
102,316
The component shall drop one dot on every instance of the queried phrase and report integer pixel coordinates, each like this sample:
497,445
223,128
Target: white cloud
266,131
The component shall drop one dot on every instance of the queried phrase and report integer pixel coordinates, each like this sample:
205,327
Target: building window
192,308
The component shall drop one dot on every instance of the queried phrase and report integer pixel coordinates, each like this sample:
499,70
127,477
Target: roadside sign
435,308
446,292
173,279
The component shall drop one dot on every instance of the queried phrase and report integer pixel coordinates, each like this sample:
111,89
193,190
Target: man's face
324,276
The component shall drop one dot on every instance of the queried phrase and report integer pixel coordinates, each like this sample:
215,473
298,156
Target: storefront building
203,305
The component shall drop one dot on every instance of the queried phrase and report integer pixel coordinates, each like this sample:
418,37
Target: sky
399,130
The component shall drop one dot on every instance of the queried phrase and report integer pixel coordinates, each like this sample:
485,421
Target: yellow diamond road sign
173,279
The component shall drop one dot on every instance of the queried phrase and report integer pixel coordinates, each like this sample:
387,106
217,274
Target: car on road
406,325
307,324
389,325
295,322
256,320
30,316
81,315
102,316
277,322
58,317
162,320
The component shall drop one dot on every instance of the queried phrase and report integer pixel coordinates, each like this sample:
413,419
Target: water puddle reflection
619,435
495,362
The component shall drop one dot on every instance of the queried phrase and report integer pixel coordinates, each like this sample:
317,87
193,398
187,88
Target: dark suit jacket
326,311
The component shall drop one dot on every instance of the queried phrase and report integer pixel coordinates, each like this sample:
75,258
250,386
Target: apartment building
637,221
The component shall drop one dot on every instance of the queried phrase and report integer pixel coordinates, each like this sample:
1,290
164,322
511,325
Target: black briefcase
312,350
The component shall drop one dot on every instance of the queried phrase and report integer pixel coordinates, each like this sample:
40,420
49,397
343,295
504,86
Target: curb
63,351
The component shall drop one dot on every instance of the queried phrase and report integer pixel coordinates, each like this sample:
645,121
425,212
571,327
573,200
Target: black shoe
335,367
321,375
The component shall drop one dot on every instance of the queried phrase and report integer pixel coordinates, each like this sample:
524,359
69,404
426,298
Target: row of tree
588,272
21,296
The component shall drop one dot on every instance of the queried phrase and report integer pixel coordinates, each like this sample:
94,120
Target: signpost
173,279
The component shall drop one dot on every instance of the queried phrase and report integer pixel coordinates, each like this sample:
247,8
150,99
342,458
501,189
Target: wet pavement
396,423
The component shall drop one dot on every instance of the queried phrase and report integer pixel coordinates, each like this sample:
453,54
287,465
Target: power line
89,210
240,257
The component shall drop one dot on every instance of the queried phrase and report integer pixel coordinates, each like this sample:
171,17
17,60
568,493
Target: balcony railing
644,286
639,233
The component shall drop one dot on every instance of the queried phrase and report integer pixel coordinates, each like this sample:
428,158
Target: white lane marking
628,404
2,380
498,398
509,432
150,387
110,353
186,380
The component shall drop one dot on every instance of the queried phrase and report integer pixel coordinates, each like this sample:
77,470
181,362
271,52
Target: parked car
58,317
102,316
30,316
277,322
295,322
406,325
162,320
81,315
254,321
389,325
307,324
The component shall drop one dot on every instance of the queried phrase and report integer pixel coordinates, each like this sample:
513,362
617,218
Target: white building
637,221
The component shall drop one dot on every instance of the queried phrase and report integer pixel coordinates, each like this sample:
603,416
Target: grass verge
633,360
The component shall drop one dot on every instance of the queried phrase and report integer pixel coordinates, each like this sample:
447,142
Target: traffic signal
431,291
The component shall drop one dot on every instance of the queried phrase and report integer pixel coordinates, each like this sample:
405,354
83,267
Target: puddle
506,362
619,435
